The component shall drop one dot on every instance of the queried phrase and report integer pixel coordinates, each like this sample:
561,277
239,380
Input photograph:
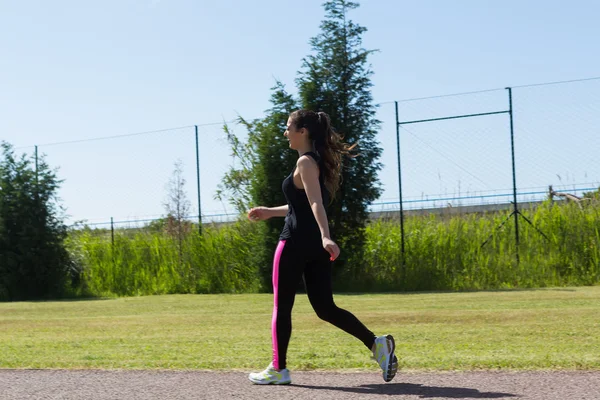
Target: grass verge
515,330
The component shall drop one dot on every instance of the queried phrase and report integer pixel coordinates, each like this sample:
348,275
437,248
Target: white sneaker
384,355
271,376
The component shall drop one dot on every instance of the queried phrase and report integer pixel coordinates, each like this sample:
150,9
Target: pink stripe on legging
278,252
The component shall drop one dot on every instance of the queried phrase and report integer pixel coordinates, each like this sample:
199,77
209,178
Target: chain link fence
123,181
455,150
455,157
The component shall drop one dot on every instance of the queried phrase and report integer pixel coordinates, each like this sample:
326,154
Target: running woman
305,247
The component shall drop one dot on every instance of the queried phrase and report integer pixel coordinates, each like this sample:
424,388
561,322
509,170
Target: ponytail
328,145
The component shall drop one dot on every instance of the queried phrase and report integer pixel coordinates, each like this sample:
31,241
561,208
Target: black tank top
300,223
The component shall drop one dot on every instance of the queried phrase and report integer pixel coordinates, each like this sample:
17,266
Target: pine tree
34,263
336,80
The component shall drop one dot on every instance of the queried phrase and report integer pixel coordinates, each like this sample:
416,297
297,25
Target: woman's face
293,135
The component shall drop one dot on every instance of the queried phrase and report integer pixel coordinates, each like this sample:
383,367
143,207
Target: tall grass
448,253
222,260
442,253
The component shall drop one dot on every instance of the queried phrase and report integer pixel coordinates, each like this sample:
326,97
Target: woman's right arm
264,213
280,211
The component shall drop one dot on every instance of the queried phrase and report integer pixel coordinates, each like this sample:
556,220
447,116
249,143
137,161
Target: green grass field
527,329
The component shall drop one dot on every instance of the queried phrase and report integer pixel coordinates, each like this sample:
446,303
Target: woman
305,246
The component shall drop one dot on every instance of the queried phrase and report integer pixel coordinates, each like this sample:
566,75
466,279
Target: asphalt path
163,385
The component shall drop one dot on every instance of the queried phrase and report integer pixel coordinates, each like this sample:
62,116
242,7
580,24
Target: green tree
336,79
263,161
34,263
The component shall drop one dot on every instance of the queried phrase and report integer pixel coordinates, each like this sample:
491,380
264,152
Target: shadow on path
410,389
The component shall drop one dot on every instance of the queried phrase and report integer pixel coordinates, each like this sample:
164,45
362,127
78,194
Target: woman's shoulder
312,156
306,160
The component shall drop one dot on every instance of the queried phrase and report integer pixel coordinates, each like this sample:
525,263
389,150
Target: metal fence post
112,232
400,186
514,172
198,181
36,165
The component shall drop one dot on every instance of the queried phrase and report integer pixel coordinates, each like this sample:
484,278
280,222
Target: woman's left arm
309,174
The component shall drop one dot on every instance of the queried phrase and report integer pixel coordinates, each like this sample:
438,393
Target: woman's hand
259,214
332,248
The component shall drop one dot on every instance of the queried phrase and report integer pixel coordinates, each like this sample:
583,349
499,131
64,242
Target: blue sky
73,70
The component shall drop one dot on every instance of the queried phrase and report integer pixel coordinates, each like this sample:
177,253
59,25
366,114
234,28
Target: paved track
164,385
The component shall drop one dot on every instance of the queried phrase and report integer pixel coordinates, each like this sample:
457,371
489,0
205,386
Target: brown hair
327,143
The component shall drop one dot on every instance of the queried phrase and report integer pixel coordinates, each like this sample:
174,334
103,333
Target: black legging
288,266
